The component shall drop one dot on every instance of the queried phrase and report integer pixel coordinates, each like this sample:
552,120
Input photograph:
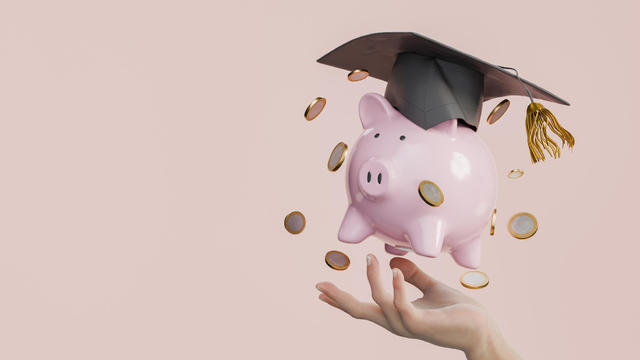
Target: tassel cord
537,121
520,80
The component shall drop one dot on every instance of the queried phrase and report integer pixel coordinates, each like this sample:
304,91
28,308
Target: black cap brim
377,54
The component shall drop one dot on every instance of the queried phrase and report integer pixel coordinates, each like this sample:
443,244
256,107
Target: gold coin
515,173
315,108
357,75
337,156
493,222
337,260
431,193
474,279
498,111
522,225
295,222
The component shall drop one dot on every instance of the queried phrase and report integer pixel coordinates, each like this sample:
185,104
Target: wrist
492,346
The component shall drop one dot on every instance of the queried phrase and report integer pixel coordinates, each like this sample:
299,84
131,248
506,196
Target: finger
406,310
383,298
328,300
378,293
352,306
412,274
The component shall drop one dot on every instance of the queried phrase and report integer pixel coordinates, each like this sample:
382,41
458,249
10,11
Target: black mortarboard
429,83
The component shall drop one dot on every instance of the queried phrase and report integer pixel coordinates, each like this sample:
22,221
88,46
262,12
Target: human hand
443,316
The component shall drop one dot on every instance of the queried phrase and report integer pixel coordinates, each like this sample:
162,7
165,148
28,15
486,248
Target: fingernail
368,260
318,286
395,273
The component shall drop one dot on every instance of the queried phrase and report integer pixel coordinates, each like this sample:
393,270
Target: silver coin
515,173
295,222
493,222
498,111
357,75
315,108
522,225
474,279
337,260
431,193
337,157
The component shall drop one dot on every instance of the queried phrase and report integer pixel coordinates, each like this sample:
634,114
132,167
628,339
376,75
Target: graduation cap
429,83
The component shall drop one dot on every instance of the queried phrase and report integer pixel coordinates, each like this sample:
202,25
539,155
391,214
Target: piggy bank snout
374,178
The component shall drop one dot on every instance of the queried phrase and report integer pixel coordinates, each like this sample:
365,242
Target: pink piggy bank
389,162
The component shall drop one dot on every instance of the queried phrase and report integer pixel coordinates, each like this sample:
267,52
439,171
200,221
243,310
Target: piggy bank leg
394,250
355,227
468,254
426,236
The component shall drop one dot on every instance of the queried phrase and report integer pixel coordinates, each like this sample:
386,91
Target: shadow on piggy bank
390,160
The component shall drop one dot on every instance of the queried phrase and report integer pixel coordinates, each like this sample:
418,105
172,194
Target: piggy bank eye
377,135
402,138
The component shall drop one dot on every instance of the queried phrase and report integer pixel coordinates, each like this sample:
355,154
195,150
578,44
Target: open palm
442,316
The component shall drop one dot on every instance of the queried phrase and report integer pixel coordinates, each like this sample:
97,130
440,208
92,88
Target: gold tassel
537,121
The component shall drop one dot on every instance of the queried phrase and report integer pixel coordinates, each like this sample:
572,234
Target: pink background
149,151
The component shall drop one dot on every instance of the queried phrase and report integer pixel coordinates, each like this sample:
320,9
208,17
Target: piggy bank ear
374,108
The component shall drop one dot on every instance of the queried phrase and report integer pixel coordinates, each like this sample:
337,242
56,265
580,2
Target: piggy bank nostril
379,178
369,176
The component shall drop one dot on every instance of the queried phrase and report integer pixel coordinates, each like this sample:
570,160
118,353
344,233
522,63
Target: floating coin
522,225
295,222
315,108
498,111
431,193
515,173
357,75
337,156
474,279
493,222
337,260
